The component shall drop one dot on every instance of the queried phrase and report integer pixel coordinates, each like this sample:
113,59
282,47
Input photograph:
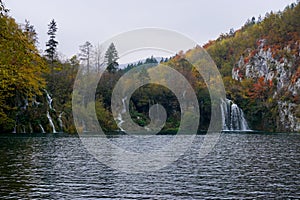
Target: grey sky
98,20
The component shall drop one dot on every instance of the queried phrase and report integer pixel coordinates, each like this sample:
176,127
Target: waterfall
49,100
51,122
15,128
30,128
119,118
60,121
124,105
40,125
121,121
233,117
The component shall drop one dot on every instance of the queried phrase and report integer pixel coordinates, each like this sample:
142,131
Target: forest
259,64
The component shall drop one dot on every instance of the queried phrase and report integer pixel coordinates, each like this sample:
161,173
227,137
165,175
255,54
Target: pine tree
52,43
111,57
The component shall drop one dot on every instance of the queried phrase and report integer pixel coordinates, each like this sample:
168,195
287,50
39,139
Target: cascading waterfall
60,121
121,121
119,118
40,125
49,100
233,117
30,128
15,128
51,122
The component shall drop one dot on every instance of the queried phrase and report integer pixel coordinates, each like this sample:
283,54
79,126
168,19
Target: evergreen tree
111,57
52,43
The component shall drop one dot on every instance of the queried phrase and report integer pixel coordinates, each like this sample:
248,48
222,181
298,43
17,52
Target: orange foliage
260,89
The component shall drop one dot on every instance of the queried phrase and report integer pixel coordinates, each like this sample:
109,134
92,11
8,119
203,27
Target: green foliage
52,43
111,57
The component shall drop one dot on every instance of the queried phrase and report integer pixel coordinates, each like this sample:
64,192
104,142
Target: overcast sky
97,20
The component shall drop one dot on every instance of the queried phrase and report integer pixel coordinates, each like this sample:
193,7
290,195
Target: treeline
37,86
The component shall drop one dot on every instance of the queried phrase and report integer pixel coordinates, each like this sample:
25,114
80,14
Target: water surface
244,166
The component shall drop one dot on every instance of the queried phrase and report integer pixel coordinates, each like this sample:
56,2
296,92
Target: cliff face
279,69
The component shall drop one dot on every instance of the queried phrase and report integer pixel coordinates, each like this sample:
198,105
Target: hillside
260,64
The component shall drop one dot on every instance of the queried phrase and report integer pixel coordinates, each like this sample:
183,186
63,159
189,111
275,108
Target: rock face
283,71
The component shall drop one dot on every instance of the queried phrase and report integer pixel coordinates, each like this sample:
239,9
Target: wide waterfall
233,117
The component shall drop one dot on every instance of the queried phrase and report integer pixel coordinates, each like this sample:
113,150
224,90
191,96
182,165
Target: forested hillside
260,65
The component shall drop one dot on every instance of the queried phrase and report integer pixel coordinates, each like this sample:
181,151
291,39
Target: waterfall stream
40,125
119,118
51,122
233,117
60,121
49,100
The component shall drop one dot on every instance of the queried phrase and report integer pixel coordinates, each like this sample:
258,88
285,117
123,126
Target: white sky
98,20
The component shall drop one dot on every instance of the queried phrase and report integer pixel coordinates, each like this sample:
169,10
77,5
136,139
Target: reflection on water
241,166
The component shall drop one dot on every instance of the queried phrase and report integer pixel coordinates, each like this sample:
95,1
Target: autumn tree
21,69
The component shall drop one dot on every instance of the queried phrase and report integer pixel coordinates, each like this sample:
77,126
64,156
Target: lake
243,166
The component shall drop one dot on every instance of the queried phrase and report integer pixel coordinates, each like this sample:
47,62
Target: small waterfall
40,125
30,128
51,122
49,100
233,117
121,121
119,118
124,105
60,121
15,128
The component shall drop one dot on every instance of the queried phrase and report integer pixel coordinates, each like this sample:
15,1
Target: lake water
243,166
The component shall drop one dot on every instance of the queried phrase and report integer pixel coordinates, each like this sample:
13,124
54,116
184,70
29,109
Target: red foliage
260,89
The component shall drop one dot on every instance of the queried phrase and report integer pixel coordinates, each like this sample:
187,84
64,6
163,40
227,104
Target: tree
98,56
52,43
21,70
111,57
85,54
30,32
3,10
